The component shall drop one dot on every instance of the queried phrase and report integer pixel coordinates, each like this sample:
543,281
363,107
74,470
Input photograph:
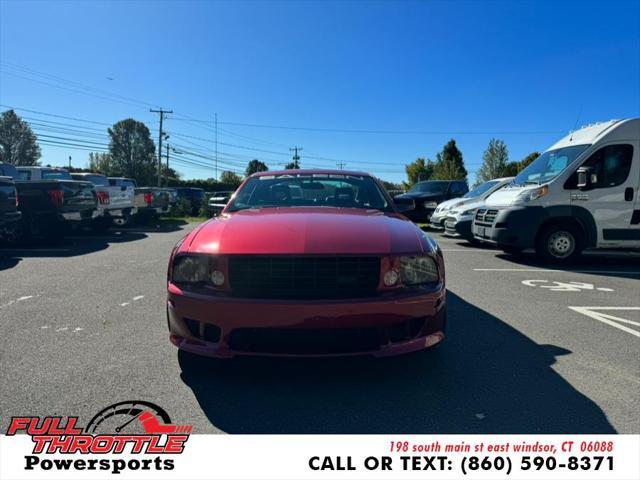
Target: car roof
311,171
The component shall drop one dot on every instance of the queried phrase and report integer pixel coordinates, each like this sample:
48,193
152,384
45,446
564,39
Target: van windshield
480,189
549,165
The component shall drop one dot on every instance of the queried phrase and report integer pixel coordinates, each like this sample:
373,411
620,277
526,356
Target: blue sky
412,74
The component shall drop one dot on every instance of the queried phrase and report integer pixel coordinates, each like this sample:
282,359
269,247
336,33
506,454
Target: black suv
427,195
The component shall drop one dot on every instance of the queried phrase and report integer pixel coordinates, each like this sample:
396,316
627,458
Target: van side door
612,199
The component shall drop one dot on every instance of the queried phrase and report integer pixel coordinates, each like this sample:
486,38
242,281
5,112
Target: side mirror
404,204
587,178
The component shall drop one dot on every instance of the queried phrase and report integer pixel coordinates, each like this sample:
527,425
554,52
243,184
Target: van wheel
559,243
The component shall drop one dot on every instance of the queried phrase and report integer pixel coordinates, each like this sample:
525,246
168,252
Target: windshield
55,175
480,189
311,190
429,187
549,165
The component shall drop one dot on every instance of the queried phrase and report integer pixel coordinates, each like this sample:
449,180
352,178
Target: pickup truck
217,201
147,201
48,202
194,196
115,203
9,214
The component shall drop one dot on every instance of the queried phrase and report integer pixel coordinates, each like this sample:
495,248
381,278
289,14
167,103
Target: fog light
390,278
433,339
217,278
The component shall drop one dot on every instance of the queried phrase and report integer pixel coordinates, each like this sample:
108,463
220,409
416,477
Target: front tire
559,243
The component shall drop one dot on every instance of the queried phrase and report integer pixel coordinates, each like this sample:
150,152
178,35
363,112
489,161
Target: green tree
514,168
449,163
291,166
132,151
230,178
495,161
18,143
254,166
101,162
418,170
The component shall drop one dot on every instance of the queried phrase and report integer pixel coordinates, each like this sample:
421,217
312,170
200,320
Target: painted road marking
564,286
139,297
614,321
21,299
609,272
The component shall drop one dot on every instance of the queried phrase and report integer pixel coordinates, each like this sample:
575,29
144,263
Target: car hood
468,205
421,196
507,196
307,231
448,204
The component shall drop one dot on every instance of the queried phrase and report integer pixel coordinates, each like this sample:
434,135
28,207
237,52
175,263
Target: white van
581,193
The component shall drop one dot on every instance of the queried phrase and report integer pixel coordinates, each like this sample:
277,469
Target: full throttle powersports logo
130,427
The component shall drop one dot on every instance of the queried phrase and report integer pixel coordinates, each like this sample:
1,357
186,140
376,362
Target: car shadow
485,378
70,246
602,262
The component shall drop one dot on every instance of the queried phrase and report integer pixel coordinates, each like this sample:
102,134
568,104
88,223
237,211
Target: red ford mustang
307,262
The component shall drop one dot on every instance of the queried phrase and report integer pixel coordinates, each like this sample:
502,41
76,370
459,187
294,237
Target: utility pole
69,162
296,157
168,148
340,165
216,129
161,112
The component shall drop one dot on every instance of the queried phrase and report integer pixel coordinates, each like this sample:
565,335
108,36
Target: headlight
418,270
430,204
530,195
196,270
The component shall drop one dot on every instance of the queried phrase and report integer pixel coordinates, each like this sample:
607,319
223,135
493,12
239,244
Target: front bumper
511,226
382,326
420,214
454,227
437,220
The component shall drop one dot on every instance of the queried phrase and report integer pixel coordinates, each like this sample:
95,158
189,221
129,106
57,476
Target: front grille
310,341
304,341
288,277
485,216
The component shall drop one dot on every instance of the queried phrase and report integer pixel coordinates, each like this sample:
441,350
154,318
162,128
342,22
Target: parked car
50,201
217,202
338,271
194,195
9,215
581,193
458,216
114,202
151,201
429,194
173,196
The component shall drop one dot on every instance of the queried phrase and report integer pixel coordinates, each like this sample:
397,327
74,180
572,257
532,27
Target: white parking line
610,272
21,299
596,314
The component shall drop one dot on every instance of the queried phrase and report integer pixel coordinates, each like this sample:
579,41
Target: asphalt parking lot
529,349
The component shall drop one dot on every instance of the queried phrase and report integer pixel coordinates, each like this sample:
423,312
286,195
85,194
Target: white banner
299,457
